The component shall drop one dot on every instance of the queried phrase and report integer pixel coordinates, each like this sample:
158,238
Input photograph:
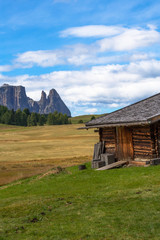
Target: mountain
14,97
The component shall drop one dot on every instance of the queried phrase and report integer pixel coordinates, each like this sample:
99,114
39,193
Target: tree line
26,118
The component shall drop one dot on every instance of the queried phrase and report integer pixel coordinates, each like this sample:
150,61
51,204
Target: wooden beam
113,165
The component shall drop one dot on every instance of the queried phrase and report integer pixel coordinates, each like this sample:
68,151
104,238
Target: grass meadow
119,204
26,151
84,118
43,201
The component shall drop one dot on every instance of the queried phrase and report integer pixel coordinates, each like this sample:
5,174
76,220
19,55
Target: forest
26,118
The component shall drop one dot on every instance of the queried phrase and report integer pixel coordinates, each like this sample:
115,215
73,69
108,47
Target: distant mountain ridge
14,97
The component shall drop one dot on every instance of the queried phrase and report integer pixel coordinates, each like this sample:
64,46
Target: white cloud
152,26
91,110
129,40
92,31
97,52
140,56
76,54
146,69
41,58
113,105
101,87
6,68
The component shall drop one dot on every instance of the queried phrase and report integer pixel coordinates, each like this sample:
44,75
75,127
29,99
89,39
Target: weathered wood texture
109,136
155,136
112,165
134,143
142,142
124,143
158,139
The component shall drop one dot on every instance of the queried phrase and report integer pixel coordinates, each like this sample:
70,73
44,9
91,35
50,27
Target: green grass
84,118
120,204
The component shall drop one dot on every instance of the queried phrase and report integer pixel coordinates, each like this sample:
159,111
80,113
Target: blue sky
99,55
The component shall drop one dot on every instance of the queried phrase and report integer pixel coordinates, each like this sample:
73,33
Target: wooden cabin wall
109,136
142,142
146,141
124,143
158,139
155,135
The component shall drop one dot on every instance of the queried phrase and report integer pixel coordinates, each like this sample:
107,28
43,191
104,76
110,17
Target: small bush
80,121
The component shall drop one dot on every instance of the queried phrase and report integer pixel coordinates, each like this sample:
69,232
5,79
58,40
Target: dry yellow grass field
26,151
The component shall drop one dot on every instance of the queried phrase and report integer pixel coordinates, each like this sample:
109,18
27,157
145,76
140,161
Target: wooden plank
141,132
142,147
110,145
108,132
108,141
139,163
142,154
142,157
143,142
141,129
113,165
125,144
108,135
141,137
142,150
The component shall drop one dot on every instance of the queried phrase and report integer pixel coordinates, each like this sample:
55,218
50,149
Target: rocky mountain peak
43,95
14,97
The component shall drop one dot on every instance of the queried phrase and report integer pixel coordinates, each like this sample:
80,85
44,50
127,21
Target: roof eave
118,124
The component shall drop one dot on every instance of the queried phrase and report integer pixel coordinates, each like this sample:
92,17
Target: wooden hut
133,132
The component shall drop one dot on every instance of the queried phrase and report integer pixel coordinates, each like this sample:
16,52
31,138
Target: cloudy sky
100,55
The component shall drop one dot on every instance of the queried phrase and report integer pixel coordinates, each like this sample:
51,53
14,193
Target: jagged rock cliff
14,97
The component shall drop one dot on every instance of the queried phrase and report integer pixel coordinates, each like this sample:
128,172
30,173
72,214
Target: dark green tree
6,118
18,117
29,124
93,117
50,119
42,120
24,119
33,119
80,121
3,109
26,111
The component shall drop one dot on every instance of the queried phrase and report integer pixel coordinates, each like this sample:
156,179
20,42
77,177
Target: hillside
84,118
90,205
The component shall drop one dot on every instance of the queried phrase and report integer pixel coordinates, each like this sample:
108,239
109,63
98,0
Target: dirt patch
34,220
52,171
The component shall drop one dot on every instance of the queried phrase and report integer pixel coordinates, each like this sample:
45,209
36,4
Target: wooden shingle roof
142,112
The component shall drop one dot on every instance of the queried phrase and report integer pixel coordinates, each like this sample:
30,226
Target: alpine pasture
26,151
43,195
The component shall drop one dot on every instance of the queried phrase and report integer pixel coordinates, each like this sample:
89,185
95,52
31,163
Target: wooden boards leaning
113,165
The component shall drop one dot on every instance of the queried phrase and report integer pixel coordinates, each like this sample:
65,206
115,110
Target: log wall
155,135
145,139
109,136
158,139
142,142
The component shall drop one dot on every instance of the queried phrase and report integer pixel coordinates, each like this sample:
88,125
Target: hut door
124,144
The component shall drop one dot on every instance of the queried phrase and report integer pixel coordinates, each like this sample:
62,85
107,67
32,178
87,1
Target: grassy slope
118,204
25,151
84,118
